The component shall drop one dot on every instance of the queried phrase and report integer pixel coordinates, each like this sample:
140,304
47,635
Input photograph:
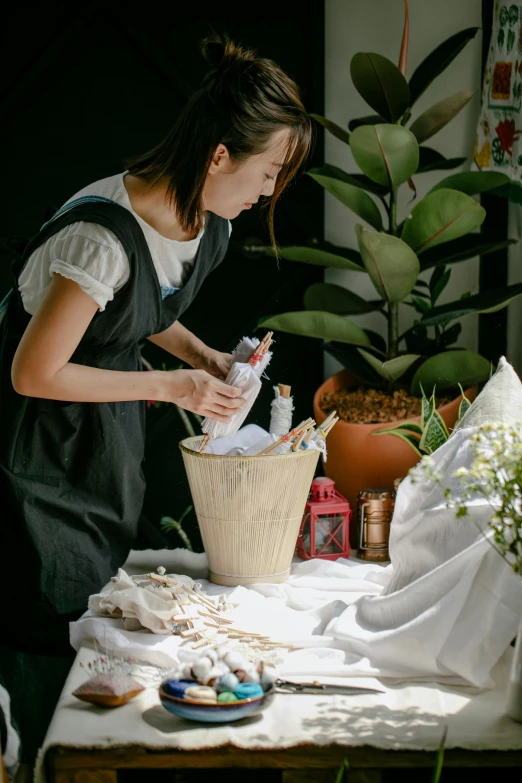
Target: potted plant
397,253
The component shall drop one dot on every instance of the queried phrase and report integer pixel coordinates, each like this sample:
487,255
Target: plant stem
393,329
393,307
393,212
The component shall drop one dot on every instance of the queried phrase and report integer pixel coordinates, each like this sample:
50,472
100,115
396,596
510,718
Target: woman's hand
214,362
199,392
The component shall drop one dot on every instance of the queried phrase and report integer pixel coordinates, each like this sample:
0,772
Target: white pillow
452,605
424,533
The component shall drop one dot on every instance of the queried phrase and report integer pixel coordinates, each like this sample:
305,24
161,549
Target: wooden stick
297,443
261,349
289,435
163,580
202,643
328,419
308,436
204,443
284,390
190,632
330,427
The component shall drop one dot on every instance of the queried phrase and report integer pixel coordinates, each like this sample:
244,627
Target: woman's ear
220,163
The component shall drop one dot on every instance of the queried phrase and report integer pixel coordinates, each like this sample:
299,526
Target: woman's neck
150,203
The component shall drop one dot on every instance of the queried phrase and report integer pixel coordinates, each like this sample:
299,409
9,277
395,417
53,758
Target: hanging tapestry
498,142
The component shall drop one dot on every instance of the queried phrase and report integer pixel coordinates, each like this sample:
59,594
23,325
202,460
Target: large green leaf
437,116
312,323
438,60
381,84
352,197
359,180
468,246
332,127
512,190
351,359
337,299
370,119
485,302
472,182
431,160
387,154
392,265
448,369
393,368
441,216
323,254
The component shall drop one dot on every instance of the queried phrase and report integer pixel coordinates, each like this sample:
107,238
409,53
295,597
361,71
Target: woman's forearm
182,343
79,383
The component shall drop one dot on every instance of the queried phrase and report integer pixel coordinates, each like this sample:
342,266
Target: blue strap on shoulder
59,213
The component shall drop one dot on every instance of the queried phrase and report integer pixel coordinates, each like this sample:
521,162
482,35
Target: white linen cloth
239,444
337,613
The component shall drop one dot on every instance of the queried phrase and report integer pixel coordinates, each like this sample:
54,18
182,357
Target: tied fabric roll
246,377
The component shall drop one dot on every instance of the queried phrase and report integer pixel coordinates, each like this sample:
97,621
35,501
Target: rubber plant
440,230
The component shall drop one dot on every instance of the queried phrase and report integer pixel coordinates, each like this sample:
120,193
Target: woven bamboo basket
249,510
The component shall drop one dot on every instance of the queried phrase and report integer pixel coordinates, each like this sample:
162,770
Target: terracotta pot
356,459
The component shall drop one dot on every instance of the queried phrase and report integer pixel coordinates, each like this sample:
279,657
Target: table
305,736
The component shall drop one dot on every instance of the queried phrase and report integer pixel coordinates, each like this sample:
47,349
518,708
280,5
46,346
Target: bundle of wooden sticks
261,349
301,435
200,621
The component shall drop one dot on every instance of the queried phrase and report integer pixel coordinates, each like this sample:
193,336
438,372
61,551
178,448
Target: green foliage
439,231
426,437
343,773
169,523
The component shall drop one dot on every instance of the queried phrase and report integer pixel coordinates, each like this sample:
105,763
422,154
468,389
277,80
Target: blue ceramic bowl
215,713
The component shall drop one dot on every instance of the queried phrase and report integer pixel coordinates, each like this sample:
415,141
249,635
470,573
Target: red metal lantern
325,529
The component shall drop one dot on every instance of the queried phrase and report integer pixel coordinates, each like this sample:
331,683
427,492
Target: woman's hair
243,101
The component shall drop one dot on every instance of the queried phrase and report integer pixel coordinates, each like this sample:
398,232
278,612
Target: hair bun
221,53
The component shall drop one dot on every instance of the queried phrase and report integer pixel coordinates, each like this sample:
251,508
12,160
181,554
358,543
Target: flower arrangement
495,474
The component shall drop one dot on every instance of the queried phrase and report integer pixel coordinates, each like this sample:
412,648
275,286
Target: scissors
286,686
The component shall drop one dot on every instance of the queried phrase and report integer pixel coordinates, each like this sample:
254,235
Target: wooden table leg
87,776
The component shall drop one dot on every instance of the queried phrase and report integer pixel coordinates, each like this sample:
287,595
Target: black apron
71,483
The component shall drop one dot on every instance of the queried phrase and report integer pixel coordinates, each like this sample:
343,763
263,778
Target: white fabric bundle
244,376
281,417
246,438
244,351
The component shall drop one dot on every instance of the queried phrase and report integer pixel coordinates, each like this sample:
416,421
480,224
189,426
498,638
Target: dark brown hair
243,101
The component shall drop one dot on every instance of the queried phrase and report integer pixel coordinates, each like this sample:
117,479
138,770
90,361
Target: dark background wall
84,87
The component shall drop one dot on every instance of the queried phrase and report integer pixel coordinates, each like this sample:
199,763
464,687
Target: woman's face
230,188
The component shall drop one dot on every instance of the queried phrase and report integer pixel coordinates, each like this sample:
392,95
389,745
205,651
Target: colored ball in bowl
219,712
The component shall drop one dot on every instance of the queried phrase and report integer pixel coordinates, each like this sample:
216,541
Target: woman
117,265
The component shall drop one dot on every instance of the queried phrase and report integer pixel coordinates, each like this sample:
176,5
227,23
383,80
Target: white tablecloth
405,717
410,715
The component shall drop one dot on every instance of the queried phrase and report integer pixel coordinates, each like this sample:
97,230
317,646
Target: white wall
376,25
